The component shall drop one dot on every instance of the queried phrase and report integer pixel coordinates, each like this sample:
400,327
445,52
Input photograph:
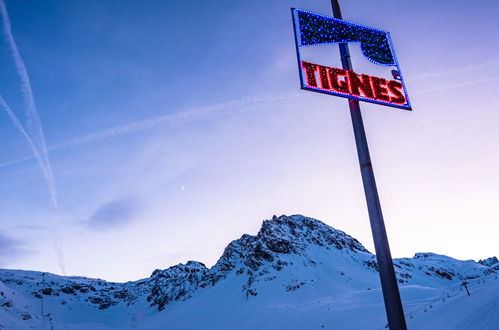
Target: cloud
466,83
457,70
185,116
181,117
33,131
113,215
10,249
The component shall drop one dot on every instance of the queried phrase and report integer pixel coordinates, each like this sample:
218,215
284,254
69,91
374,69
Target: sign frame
303,85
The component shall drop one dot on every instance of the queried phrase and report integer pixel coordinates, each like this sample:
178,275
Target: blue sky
174,127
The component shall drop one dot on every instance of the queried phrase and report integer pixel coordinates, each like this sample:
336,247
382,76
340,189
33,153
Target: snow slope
296,273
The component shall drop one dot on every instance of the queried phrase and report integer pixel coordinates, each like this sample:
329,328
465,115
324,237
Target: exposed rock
282,245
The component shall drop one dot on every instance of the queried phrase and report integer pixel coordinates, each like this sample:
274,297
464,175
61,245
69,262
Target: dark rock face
284,235
255,256
372,264
103,303
291,234
47,291
432,265
252,259
176,283
7,304
491,262
449,275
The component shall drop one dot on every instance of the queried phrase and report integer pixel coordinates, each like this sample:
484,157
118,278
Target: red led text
350,83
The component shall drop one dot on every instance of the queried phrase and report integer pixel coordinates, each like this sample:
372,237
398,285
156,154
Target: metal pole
391,295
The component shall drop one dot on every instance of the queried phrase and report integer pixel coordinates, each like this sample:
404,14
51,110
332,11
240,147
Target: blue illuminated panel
376,45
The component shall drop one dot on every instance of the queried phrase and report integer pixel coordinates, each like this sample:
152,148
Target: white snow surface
296,273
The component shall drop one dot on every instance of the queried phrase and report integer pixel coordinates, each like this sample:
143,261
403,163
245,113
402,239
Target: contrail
16,161
176,118
19,126
467,83
21,129
194,114
457,70
181,117
34,132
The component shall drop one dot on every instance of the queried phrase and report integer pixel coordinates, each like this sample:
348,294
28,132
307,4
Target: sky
174,127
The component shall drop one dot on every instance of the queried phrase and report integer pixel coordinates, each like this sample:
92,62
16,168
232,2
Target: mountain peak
190,267
290,256
299,231
491,262
285,235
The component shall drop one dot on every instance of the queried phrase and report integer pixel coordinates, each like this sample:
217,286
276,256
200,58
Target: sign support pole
391,295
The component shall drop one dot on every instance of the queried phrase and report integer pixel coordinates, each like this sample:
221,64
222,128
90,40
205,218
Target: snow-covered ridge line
290,255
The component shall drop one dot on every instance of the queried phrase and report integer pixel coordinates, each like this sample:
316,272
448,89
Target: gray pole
391,295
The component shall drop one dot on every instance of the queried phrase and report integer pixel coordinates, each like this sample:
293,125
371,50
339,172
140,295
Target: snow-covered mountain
296,273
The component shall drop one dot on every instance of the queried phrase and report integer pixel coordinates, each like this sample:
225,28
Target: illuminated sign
350,84
384,86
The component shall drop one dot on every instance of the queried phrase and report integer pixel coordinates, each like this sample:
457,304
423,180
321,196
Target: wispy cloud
190,115
181,117
463,84
33,131
10,249
458,70
113,215
21,129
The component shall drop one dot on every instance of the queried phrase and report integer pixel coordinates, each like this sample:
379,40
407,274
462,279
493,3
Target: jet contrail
21,129
180,117
467,83
176,118
34,132
457,70
19,126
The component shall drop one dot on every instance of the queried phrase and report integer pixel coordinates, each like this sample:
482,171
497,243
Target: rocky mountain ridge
287,254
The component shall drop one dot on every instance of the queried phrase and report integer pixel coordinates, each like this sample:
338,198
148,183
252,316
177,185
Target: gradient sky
174,127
